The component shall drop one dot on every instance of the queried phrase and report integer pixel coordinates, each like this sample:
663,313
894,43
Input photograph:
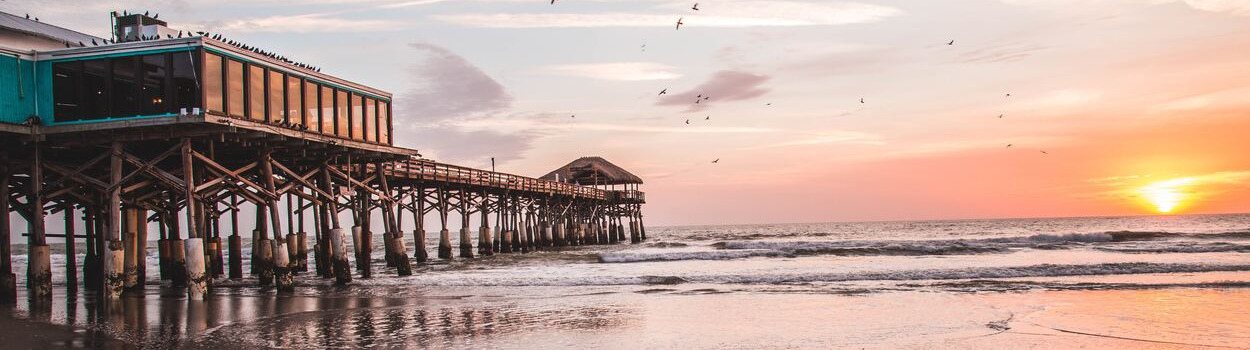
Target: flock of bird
700,98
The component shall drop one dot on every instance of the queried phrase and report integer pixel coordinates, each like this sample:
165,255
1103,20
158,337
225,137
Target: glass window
384,122
277,93
234,89
186,83
358,129
255,92
294,108
340,110
152,100
95,85
66,91
371,121
327,110
311,106
125,87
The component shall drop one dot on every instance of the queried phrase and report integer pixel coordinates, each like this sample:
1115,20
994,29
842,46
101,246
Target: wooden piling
39,266
197,280
71,252
281,259
130,246
235,241
113,257
484,242
339,266
8,280
418,220
392,234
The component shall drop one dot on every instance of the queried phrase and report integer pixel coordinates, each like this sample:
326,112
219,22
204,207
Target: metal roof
30,26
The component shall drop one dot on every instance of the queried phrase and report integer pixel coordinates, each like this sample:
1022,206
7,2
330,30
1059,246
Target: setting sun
1166,195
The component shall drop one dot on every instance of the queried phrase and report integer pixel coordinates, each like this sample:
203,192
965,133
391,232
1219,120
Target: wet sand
696,316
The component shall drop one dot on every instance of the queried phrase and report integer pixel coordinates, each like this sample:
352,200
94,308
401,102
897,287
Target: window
125,87
255,92
311,106
340,110
384,122
95,85
234,89
371,121
277,108
152,99
358,129
187,81
66,91
294,107
327,110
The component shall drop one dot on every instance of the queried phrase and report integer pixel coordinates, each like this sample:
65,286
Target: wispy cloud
625,71
825,138
723,86
728,14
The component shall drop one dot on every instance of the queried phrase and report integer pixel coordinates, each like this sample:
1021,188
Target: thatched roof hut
592,171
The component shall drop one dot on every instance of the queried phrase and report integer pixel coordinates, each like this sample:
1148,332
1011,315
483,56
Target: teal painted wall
17,90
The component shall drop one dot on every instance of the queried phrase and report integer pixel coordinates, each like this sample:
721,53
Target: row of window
122,87
243,90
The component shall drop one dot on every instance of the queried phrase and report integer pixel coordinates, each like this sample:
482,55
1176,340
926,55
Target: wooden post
130,246
193,252
39,263
466,234
281,259
302,239
418,220
8,280
292,238
236,242
71,256
113,258
393,234
90,262
444,235
484,241
340,267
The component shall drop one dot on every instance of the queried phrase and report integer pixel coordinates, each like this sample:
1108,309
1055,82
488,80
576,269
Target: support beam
340,267
113,256
281,260
193,249
8,280
39,263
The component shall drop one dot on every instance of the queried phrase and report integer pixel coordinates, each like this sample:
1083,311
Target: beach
1136,282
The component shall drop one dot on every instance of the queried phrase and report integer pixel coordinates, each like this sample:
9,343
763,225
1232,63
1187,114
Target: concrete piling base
301,251
341,269
505,241
418,239
217,266
484,242
547,238
403,266
444,244
282,273
177,266
39,271
581,234
466,248
197,280
264,261
162,258
236,257
633,233
292,252
114,280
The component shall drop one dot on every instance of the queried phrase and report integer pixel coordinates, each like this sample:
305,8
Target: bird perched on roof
67,44
93,43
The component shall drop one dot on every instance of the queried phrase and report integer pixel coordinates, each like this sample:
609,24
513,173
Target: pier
189,132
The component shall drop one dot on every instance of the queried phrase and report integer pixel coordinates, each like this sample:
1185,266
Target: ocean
1124,282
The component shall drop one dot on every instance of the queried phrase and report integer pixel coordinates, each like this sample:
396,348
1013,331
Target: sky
1110,107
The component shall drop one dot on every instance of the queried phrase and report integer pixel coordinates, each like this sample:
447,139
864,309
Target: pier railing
427,170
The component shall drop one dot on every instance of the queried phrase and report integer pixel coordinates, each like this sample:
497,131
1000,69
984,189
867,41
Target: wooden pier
188,134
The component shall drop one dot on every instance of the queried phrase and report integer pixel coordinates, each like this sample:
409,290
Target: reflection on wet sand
235,321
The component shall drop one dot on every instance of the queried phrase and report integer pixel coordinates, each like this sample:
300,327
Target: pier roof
592,171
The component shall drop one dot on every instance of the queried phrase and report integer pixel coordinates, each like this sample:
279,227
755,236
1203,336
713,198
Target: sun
1166,195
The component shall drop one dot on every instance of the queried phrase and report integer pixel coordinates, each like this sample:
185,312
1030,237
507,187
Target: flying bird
679,22
861,100
1043,152
1000,116
573,116
553,2
687,121
1009,145
1008,95
716,161
696,7
708,118
662,92
768,104
952,42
